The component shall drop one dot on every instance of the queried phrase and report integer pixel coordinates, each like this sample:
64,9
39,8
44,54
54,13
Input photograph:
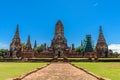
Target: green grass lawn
109,70
12,70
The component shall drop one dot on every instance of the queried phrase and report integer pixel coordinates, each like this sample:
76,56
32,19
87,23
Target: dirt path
60,71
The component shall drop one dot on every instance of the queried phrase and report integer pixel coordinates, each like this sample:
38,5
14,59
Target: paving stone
60,71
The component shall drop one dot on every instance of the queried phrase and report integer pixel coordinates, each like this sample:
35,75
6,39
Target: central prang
59,42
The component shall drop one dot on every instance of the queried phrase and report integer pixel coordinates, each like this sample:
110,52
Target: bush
109,59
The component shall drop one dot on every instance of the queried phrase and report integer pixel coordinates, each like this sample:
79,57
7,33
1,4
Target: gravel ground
60,71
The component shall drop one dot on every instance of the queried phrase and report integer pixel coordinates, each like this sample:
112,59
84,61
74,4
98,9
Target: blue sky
37,18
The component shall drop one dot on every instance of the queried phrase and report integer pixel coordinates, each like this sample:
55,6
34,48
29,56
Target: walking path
60,71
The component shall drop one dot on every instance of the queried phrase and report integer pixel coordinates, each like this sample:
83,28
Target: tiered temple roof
16,43
101,40
35,44
28,45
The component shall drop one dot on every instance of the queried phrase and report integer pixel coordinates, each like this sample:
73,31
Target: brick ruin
58,47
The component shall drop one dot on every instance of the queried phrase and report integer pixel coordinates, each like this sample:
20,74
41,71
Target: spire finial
101,29
17,36
59,22
17,28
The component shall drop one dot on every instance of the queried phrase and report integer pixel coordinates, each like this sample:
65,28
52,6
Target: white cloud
4,46
115,47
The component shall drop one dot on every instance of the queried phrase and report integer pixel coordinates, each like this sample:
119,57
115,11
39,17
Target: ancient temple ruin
59,42
15,46
59,47
101,46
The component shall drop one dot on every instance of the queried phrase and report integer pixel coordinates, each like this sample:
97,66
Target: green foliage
40,48
23,45
77,49
116,54
12,70
2,51
109,70
82,49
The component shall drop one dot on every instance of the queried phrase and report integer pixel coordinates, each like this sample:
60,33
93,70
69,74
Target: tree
2,51
82,49
40,48
77,49
23,45
116,54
